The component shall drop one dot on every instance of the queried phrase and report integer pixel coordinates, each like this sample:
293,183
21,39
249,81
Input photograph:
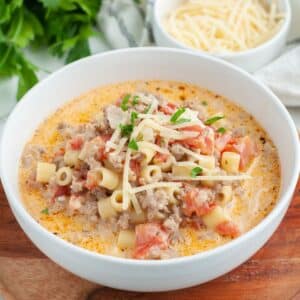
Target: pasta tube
105,209
152,173
126,239
230,162
107,178
64,176
44,171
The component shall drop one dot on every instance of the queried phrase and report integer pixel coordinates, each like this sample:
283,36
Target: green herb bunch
63,26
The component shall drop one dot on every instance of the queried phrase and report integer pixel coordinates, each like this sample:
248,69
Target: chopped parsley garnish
126,130
213,120
177,114
133,145
182,120
221,130
133,116
135,100
45,211
124,103
196,171
147,109
204,103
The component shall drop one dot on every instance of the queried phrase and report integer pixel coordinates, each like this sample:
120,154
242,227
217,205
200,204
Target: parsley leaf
221,130
63,27
133,145
133,117
45,211
196,171
147,109
126,130
177,114
124,103
182,120
135,100
204,103
213,120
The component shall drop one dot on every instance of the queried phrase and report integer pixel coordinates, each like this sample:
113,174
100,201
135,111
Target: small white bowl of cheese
249,34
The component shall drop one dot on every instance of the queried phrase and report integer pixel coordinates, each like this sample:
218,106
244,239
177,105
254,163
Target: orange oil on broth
246,211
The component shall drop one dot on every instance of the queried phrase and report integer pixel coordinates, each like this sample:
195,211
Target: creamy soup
149,170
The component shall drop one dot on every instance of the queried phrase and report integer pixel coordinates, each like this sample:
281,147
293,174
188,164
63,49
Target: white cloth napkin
283,76
127,23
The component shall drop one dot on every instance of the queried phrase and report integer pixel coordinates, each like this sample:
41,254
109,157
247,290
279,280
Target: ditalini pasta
220,26
170,171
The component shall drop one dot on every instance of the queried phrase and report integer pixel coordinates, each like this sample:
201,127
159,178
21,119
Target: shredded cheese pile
222,26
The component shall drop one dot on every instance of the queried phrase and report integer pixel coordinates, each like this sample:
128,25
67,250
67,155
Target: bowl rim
241,54
19,209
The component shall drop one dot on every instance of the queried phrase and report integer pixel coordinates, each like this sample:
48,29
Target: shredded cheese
219,26
195,155
155,186
156,148
126,184
213,178
188,124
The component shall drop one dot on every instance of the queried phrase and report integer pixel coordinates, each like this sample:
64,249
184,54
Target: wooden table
273,273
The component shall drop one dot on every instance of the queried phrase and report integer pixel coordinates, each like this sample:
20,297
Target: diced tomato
135,166
245,147
102,154
228,228
205,141
168,109
62,191
105,137
160,157
76,143
222,140
195,202
158,140
196,128
196,223
149,235
60,152
92,180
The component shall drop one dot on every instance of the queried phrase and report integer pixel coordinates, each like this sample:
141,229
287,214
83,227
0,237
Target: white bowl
250,60
149,63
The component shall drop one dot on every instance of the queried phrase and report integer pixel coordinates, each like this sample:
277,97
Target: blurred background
38,37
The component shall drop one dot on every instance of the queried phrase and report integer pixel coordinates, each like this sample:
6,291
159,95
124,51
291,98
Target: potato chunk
44,171
230,162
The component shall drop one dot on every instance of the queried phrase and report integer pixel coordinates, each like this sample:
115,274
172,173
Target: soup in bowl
164,163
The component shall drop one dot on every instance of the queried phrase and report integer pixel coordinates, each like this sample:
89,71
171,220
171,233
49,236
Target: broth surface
252,202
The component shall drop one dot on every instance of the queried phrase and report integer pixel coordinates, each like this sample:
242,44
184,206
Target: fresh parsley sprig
63,27
213,120
181,121
45,211
124,104
177,115
221,130
126,130
196,171
133,145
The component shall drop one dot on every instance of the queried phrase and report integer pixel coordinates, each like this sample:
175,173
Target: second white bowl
250,60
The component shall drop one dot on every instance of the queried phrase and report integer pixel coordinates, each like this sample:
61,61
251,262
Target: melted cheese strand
126,185
213,178
199,157
155,186
156,148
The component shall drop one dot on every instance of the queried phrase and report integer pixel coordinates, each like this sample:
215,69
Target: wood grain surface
273,273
